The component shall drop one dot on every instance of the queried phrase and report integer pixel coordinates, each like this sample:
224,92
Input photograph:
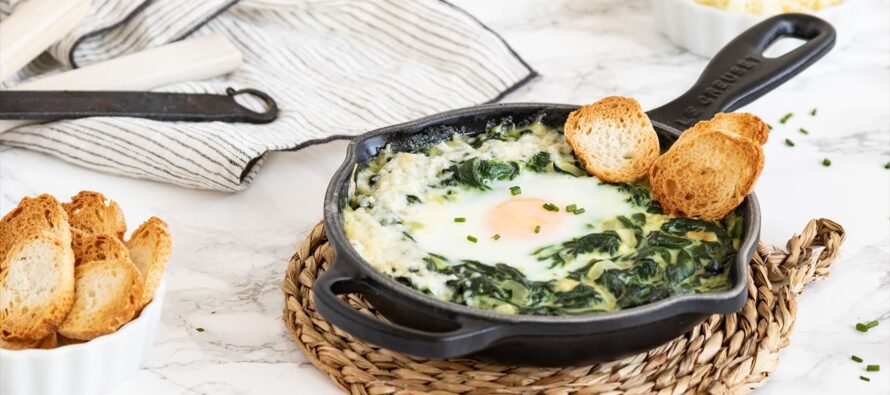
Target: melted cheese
769,7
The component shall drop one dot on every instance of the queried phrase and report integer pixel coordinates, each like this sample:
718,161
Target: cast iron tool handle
160,106
739,73
468,337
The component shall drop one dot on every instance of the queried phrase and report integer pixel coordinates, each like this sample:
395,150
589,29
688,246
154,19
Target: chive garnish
887,165
769,126
865,326
551,207
538,229
826,162
813,112
496,237
515,190
579,211
804,131
472,239
873,368
460,219
789,143
199,329
856,359
786,118
571,208
863,378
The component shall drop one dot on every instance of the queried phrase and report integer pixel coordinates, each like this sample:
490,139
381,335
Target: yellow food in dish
769,7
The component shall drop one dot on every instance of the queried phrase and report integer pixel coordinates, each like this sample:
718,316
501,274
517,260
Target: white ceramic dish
704,30
90,368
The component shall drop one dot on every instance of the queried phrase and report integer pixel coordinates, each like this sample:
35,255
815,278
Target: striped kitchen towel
337,68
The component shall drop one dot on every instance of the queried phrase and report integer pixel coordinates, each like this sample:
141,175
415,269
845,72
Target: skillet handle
470,336
739,73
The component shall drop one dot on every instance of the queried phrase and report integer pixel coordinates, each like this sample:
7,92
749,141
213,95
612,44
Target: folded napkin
337,68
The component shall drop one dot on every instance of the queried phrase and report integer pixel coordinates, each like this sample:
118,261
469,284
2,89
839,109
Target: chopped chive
865,326
472,239
813,112
873,368
789,143
786,118
769,126
804,131
538,229
571,208
496,237
460,219
826,162
856,359
551,207
515,190
887,165
199,329
863,378
580,211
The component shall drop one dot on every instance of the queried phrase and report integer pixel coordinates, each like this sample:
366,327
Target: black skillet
432,328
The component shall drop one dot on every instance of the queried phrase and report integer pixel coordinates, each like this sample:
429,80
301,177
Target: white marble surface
230,250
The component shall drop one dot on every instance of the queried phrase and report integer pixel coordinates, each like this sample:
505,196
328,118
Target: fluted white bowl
90,368
704,30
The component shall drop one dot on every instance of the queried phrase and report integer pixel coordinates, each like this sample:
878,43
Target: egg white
434,229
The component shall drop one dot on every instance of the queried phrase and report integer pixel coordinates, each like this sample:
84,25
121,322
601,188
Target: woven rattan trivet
732,353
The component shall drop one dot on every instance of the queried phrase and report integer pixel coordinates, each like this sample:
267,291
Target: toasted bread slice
149,249
41,213
36,287
100,248
613,138
107,296
46,343
91,213
706,176
741,124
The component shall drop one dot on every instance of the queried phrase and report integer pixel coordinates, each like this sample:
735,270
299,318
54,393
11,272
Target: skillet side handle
739,73
469,337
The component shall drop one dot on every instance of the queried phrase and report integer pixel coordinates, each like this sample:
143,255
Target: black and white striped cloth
336,67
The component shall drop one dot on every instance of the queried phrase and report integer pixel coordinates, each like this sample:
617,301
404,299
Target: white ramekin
90,368
704,30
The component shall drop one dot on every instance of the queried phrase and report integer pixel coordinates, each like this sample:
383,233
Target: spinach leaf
477,173
661,239
680,226
641,197
607,242
538,162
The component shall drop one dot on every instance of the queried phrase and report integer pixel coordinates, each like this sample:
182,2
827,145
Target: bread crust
100,248
613,139
36,287
107,297
149,247
31,216
707,174
46,343
91,213
742,124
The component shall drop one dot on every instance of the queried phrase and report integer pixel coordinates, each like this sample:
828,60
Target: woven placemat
732,353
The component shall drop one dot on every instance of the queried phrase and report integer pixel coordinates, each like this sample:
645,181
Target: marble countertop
230,250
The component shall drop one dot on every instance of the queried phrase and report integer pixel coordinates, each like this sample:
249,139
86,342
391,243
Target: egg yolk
519,218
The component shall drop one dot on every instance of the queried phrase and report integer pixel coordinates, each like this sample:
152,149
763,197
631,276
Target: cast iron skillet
423,326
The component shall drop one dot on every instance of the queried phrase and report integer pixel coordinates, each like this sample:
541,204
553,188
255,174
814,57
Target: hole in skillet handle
466,338
255,99
740,73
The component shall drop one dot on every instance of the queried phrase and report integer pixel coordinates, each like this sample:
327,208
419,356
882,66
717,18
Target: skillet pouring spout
423,326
